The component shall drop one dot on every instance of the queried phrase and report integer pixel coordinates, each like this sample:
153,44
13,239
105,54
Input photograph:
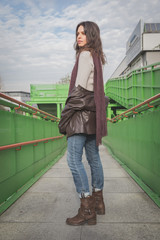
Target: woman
83,120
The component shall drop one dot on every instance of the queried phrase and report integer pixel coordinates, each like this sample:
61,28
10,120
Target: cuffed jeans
74,159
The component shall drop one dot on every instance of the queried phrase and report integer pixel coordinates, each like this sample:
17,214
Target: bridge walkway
41,212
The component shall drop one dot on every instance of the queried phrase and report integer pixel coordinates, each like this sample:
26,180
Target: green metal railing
134,140
135,88
12,104
29,145
155,100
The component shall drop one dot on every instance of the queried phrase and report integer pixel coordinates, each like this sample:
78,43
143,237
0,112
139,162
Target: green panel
136,143
38,129
14,183
48,129
7,128
18,193
7,164
39,152
20,169
23,128
156,82
24,157
54,129
38,166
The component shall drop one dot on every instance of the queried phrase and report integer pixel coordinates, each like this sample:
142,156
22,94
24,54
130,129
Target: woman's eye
82,33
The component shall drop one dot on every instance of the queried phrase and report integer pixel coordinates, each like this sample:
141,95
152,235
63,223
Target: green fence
135,142
138,86
134,133
21,166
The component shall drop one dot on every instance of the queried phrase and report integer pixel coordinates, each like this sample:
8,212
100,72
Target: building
142,48
18,95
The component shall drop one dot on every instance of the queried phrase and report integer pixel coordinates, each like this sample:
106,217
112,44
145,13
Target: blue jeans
74,159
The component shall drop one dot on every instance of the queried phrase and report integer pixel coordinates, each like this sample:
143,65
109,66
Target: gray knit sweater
85,74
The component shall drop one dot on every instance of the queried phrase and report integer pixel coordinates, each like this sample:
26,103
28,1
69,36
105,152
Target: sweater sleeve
85,68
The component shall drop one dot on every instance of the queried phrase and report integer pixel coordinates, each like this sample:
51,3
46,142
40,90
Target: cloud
37,37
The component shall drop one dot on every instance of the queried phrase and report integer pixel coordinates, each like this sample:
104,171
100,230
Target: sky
37,36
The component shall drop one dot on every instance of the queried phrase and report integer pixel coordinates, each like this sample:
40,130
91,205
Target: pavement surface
41,212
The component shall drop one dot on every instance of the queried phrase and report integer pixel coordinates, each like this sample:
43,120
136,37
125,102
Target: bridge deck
41,212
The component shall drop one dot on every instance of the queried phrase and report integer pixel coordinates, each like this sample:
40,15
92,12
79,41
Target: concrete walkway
41,212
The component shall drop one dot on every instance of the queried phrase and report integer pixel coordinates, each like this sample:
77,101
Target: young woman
83,120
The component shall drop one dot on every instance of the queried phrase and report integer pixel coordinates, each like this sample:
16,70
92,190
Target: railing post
109,112
152,80
58,110
134,76
142,83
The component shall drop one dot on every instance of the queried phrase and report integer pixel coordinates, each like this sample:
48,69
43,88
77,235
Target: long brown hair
94,43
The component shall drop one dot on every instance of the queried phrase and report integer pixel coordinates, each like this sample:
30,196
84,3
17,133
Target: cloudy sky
37,36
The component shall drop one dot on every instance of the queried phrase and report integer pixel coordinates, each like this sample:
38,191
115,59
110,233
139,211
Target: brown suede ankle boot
86,213
99,203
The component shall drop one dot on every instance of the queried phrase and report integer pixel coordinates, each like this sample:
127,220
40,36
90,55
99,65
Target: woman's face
81,37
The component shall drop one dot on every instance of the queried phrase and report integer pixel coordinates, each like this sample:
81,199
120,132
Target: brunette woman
83,120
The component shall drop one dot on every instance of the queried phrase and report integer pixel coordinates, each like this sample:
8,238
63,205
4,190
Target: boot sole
89,222
100,212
